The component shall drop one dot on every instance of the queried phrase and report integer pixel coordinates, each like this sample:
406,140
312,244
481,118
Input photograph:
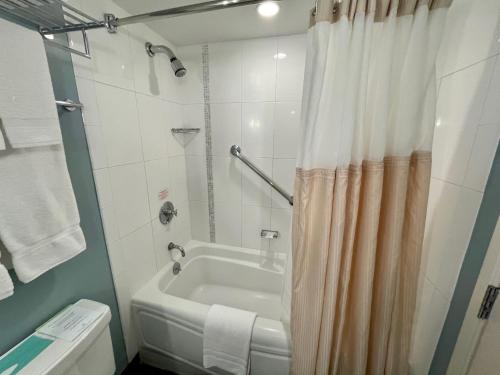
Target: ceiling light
268,9
280,56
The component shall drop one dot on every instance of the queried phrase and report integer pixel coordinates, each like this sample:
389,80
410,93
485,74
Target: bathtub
169,311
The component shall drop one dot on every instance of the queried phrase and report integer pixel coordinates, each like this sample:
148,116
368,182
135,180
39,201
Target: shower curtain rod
182,11
51,17
111,22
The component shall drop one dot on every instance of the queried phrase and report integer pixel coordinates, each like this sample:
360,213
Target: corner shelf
185,130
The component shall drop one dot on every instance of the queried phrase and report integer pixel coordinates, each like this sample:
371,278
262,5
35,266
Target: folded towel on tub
226,339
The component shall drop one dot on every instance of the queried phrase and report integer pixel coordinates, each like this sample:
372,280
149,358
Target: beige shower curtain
362,183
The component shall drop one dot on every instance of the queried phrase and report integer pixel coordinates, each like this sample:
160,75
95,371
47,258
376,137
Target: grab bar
236,151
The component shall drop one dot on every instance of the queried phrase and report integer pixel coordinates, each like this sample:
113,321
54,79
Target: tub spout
172,246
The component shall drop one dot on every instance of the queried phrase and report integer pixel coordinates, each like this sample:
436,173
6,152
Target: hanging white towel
6,286
39,220
226,339
27,105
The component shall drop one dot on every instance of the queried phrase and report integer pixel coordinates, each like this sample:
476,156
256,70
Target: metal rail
53,17
236,151
182,10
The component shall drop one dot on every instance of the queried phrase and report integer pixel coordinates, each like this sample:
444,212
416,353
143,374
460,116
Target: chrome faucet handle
172,246
167,213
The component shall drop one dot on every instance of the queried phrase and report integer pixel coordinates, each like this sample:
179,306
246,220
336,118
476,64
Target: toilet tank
89,353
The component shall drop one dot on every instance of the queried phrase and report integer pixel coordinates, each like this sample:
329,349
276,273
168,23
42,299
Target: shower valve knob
167,213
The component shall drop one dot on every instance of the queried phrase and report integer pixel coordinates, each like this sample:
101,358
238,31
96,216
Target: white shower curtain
362,182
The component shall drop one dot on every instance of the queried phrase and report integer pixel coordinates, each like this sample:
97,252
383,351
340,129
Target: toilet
90,353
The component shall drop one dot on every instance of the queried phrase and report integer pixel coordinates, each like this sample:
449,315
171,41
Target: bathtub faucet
172,246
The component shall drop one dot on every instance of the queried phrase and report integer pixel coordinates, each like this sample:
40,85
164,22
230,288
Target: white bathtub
170,310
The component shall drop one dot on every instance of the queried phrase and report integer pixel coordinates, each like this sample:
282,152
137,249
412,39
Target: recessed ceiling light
268,9
280,56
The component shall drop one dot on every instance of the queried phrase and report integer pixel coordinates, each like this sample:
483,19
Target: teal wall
469,273
89,274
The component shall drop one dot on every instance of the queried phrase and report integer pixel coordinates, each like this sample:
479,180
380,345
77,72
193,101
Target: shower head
175,63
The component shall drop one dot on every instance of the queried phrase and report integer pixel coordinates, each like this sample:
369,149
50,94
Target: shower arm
236,151
152,50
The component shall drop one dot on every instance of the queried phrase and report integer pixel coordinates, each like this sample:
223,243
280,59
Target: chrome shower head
175,63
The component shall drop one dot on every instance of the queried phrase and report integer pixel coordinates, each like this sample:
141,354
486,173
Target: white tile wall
286,126
471,35
226,64
290,69
259,70
120,125
458,118
258,129
193,116
226,127
465,141
152,119
432,309
130,196
450,207
131,103
255,103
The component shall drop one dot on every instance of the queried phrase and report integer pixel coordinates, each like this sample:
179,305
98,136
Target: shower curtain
362,182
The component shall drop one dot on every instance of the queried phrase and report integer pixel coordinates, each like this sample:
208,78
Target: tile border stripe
205,58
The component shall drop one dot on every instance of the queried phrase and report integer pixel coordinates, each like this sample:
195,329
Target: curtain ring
336,4
315,10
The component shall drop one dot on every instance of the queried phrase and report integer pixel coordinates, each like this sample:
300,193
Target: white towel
226,339
6,286
27,105
39,220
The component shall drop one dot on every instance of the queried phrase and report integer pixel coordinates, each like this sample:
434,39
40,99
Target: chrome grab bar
236,151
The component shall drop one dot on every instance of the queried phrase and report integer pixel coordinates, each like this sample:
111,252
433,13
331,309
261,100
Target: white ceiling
216,26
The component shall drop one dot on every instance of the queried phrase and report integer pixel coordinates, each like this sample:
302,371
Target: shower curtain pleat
356,285
361,186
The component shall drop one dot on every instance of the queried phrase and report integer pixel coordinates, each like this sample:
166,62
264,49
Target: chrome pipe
175,63
236,151
183,10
